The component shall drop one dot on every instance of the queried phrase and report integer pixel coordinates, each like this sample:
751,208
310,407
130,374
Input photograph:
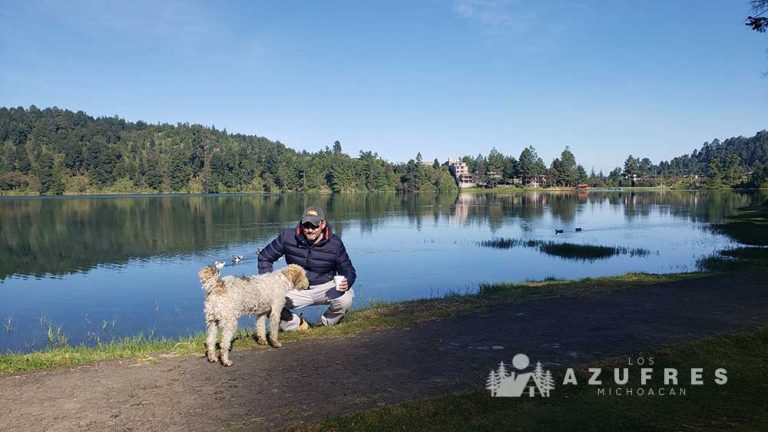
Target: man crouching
329,270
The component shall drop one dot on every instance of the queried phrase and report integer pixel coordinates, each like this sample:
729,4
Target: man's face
312,232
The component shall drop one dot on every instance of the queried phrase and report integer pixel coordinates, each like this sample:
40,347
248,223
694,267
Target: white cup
337,280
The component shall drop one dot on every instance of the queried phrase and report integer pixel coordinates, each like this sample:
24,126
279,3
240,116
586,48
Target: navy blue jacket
322,261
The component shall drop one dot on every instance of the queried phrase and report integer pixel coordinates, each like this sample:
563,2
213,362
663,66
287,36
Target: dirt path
311,380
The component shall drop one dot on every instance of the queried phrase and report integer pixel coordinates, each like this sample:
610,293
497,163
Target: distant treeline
55,151
735,162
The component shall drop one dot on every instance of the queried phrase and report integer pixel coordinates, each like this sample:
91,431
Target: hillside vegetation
55,151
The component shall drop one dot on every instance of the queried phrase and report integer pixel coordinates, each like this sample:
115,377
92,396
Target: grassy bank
737,405
376,317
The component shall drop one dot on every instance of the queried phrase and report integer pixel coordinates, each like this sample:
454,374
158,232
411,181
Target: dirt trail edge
314,379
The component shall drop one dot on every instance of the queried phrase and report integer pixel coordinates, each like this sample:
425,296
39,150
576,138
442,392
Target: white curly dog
228,298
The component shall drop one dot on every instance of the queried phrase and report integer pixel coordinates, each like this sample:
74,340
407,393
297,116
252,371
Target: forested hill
53,151
751,153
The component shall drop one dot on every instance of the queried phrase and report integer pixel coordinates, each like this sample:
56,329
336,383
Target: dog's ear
294,273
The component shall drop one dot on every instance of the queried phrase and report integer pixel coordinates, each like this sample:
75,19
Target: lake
97,268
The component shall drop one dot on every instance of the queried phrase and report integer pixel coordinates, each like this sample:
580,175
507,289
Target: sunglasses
309,226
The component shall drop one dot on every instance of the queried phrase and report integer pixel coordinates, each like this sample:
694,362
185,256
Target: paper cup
337,280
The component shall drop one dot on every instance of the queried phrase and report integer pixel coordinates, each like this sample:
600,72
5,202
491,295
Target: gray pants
339,302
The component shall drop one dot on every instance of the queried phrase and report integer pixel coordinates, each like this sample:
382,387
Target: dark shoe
286,315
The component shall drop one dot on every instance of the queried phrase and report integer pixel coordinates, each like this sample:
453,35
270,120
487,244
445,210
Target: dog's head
297,276
208,273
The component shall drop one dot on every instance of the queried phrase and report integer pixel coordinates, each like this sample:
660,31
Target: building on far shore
535,181
461,173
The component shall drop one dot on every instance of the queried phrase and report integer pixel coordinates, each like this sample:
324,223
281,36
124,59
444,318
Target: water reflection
40,237
110,267
696,206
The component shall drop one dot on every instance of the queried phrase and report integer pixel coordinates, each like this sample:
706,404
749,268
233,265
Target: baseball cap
313,215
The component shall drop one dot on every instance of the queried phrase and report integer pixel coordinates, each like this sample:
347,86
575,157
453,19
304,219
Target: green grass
566,250
737,405
588,252
133,347
375,317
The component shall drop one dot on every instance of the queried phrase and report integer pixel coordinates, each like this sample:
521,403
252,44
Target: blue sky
446,78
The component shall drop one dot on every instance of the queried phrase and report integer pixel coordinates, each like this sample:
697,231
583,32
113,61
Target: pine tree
549,383
22,160
44,172
528,163
568,171
631,168
179,171
502,371
714,174
492,383
538,375
154,177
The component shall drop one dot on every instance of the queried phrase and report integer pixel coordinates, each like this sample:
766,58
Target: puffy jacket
322,261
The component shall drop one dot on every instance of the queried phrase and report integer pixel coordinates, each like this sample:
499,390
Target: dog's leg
210,341
261,329
229,328
274,325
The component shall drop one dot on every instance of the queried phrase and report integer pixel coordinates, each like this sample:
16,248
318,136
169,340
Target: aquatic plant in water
566,250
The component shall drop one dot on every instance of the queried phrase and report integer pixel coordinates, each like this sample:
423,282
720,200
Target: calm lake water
99,268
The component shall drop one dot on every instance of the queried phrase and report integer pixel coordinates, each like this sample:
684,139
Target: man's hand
343,285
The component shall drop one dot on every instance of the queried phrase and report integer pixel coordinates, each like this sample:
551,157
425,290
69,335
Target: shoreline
750,223
292,386
375,317
500,189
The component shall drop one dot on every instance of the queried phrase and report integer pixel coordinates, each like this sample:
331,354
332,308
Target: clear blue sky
446,78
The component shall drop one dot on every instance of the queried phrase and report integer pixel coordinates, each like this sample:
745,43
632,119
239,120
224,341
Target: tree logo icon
514,383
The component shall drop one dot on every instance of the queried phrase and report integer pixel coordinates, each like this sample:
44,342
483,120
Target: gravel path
314,379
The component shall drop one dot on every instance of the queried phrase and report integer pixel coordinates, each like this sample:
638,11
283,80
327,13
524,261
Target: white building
460,172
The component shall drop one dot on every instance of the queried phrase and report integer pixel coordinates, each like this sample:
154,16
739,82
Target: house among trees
461,173
535,181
